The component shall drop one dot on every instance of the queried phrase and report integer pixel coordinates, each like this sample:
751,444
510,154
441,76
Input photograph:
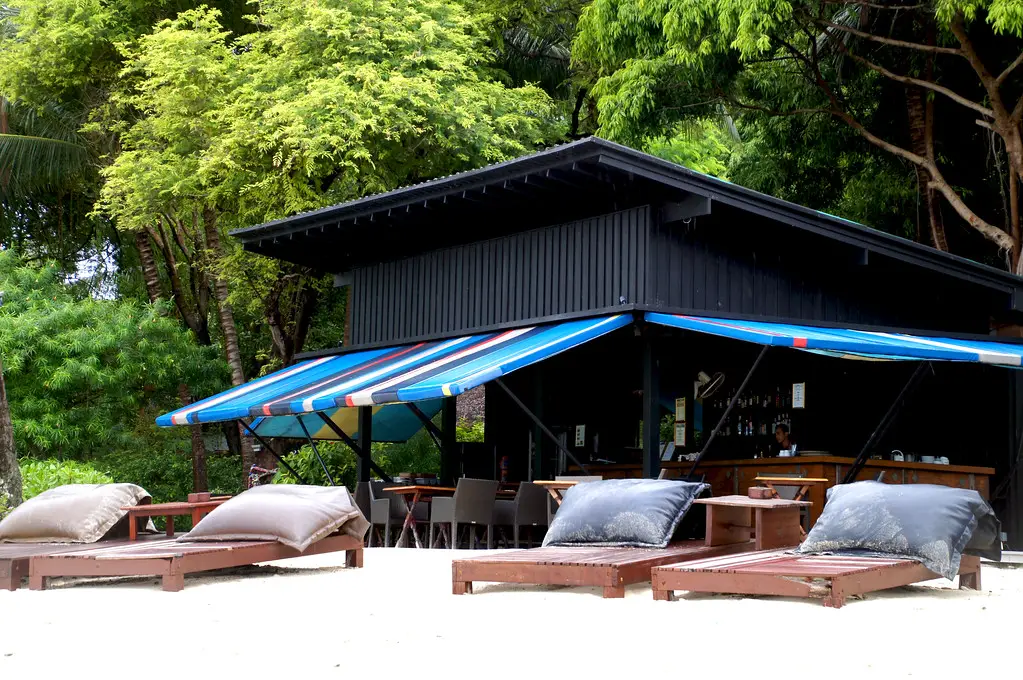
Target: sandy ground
396,618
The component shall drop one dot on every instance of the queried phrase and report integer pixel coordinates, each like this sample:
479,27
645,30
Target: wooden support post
449,458
651,411
362,466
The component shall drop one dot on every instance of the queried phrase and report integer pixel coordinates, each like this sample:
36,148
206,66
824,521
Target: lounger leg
664,595
614,592
353,559
461,587
174,582
837,597
36,581
8,582
10,577
969,573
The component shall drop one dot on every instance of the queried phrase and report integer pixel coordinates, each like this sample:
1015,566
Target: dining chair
389,509
472,505
529,509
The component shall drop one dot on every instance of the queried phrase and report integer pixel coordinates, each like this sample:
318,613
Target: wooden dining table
556,488
414,493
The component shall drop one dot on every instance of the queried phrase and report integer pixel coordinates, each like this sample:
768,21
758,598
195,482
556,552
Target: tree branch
1008,70
874,5
889,41
926,84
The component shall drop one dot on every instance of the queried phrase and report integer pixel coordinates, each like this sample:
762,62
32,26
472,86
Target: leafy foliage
40,475
84,376
167,475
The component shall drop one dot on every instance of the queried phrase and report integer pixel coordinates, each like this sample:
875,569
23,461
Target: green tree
661,61
85,376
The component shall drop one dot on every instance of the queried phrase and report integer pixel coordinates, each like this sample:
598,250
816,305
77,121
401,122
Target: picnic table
197,509
730,519
414,493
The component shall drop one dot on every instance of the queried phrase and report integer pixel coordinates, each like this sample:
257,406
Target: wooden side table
772,522
170,510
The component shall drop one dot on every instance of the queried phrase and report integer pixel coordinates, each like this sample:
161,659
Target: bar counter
736,476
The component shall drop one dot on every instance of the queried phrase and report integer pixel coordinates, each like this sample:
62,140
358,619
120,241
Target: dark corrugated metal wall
546,272
693,269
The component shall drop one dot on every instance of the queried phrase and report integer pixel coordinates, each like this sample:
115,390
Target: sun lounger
609,568
830,578
171,559
14,557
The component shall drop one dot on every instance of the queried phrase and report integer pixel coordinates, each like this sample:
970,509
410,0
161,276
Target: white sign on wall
580,436
680,421
798,395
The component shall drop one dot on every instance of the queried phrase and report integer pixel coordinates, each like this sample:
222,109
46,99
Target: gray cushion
622,512
292,514
74,513
929,523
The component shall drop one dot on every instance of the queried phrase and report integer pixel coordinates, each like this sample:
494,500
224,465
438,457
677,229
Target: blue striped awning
850,343
427,370
391,423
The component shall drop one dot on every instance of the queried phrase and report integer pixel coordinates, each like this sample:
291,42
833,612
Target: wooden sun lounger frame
172,559
831,579
14,557
608,568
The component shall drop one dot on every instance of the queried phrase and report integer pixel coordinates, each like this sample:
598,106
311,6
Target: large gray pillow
292,514
622,512
74,513
929,523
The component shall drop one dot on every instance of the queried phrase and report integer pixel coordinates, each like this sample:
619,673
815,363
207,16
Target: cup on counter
942,460
927,459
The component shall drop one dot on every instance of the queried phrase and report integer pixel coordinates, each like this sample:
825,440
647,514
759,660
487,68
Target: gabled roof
584,165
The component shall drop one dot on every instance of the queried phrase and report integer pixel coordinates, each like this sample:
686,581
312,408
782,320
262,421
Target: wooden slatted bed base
14,557
609,568
172,559
773,572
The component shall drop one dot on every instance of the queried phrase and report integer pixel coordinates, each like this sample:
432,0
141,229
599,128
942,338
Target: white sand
396,618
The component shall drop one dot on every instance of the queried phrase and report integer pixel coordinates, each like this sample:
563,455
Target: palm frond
38,149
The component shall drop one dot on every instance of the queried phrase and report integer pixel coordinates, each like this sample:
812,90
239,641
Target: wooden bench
830,578
171,559
608,568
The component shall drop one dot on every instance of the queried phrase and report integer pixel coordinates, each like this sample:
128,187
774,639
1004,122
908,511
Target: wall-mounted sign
580,436
798,395
680,421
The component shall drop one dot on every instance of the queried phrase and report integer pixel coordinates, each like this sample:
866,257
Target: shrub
38,476
167,475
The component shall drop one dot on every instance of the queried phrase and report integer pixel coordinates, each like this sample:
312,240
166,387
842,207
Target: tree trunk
151,274
227,326
200,482
921,134
10,473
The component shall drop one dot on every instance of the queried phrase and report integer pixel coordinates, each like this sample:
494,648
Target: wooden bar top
802,460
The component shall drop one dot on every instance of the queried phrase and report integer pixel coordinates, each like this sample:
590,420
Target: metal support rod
354,446
543,428
886,421
272,452
434,431
316,451
728,409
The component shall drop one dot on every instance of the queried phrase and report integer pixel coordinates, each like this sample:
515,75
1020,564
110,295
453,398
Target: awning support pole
316,451
272,452
354,447
543,428
434,431
728,410
886,421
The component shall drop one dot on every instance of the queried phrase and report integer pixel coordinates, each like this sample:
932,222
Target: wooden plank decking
172,559
609,568
831,578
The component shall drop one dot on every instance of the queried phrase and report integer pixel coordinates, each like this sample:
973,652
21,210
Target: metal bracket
354,446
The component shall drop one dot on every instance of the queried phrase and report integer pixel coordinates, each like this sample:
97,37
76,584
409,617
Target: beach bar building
630,317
